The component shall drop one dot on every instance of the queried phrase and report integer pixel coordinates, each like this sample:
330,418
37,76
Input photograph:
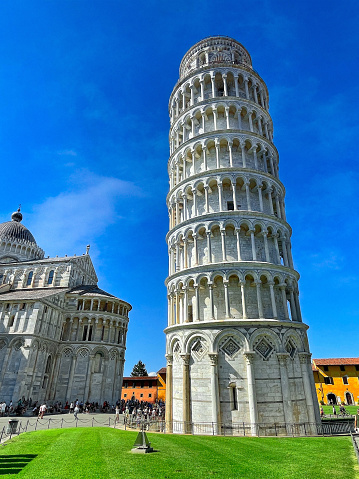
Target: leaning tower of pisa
237,349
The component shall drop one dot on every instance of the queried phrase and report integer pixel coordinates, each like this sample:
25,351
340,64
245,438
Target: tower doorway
348,398
331,398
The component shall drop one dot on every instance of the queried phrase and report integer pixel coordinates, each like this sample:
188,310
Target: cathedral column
71,378
252,400
286,394
169,394
186,394
88,377
216,407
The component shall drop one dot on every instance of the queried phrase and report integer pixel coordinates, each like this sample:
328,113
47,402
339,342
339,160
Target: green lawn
104,453
349,409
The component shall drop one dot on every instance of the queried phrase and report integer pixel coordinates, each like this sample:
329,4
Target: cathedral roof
89,290
29,294
14,230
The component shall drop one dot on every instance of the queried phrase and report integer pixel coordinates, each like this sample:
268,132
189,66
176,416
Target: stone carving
230,347
264,348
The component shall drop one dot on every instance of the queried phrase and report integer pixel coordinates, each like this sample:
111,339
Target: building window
7,307
126,385
51,277
150,395
357,367
125,395
29,278
326,368
84,334
11,321
48,365
142,384
234,398
141,395
23,306
342,368
328,380
345,380
230,206
98,363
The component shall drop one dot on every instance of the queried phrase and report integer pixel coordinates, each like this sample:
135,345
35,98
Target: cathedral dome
14,230
16,241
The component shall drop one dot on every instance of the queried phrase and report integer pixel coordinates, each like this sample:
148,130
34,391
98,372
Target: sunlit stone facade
61,337
237,349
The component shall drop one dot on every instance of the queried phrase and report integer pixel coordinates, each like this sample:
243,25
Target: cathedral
62,337
237,349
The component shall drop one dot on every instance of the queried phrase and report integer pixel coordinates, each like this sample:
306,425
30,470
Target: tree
139,369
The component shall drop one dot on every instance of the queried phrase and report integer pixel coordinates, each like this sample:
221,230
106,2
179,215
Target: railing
178,427
355,438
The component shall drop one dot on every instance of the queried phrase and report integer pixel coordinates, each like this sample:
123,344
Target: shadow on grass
15,463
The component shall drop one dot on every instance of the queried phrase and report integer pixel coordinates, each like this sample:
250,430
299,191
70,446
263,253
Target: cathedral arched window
98,362
29,278
51,277
48,365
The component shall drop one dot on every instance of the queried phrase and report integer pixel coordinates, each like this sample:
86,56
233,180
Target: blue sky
84,89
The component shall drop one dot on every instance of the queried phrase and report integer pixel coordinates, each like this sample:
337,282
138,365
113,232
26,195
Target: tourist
334,410
42,411
321,411
76,411
117,412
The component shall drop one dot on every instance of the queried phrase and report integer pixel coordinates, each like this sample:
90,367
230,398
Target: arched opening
48,365
29,278
349,398
98,362
331,398
51,277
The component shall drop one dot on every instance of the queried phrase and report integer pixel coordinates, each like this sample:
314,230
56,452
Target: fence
325,428
355,439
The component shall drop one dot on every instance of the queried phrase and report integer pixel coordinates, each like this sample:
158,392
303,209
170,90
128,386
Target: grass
104,453
349,409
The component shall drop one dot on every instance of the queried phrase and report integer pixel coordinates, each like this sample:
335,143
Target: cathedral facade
62,338
237,349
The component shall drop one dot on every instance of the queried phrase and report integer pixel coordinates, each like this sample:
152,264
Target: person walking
117,413
76,411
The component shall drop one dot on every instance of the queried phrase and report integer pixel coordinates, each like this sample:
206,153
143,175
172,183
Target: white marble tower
237,349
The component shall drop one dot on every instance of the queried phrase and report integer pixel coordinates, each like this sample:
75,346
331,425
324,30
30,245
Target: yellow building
337,380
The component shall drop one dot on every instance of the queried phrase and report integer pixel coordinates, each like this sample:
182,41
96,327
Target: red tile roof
336,361
314,368
162,371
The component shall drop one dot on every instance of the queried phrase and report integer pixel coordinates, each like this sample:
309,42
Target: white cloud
67,222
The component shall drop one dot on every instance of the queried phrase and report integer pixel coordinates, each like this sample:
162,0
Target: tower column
169,394
252,399
186,394
216,407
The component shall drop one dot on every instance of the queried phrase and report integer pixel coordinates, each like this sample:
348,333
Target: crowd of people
133,411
